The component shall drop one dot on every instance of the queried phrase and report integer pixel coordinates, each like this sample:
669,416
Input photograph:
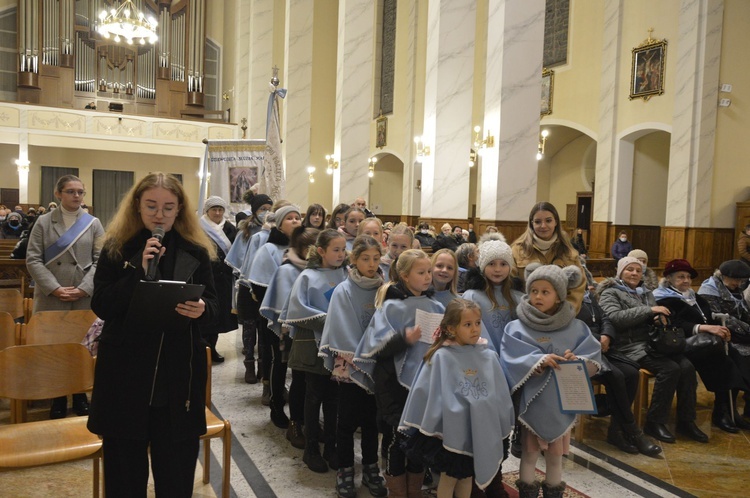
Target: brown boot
250,376
414,481
396,485
553,491
526,490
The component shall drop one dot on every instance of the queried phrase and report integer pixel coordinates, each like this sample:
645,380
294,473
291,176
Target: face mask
424,231
262,216
2,218
623,239
13,223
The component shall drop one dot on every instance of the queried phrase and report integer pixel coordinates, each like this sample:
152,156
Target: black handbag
700,345
666,339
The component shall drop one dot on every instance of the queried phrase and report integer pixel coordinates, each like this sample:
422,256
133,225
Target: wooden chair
56,327
12,302
43,372
28,308
578,431
216,428
640,404
9,330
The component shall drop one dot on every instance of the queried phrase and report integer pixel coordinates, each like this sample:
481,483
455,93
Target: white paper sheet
574,387
429,323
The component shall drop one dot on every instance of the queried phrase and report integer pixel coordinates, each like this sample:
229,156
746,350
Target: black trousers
673,374
395,460
356,409
248,311
320,390
297,397
276,368
172,462
621,383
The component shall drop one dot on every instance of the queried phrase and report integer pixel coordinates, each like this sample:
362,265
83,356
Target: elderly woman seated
692,313
723,292
632,309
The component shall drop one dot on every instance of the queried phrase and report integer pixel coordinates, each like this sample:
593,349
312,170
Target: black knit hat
734,268
259,200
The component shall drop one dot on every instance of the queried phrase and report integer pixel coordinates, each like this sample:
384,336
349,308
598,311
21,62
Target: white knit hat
282,213
494,249
214,201
622,263
561,279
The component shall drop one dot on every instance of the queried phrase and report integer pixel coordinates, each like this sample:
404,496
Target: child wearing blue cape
400,239
444,276
546,332
489,285
265,262
459,408
391,351
272,307
306,314
354,302
247,309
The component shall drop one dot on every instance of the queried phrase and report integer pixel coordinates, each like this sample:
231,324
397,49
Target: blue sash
69,238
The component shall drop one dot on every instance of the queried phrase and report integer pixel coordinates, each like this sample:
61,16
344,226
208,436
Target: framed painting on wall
548,82
381,132
647,69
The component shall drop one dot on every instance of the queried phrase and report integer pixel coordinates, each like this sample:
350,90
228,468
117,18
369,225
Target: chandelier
127,22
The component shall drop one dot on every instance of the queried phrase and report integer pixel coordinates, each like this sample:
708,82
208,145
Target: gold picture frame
381,132
548,85
647,69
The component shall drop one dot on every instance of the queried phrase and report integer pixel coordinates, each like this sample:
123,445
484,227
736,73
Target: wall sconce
540,146
472,158
422,149
489,141
23,166
332,163
371,166
310,171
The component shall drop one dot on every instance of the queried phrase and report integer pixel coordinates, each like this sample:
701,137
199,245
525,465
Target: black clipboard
153,304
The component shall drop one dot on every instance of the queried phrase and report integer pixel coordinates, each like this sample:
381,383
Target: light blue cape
310,298
256,242
522,351
462,397
393,318
444,297
265,263
344,329
494,320
277,295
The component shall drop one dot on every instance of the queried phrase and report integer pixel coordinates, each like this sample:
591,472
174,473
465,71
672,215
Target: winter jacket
446,242
721,300
630,313
743,247
226,321
620,249
425,239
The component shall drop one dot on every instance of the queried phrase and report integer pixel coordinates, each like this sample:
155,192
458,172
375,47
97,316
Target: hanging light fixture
540,146
371,166
127,22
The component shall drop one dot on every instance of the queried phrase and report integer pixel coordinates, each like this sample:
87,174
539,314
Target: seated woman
723,292
632,310
692,313
620,377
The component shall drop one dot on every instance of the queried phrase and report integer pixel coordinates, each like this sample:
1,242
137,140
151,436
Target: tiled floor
265,465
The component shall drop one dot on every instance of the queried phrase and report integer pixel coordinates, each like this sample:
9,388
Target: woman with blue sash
61,258
222,234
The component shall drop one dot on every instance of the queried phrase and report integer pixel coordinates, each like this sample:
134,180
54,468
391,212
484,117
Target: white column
605,147
22,165
297,105
238,99
515,41
451,27
698,52
261,64
354,95
410,195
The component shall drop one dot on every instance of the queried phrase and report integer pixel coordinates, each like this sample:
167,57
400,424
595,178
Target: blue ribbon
281,92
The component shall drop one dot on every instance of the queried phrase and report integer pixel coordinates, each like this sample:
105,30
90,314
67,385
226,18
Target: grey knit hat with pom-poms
492,250
561,279
214,201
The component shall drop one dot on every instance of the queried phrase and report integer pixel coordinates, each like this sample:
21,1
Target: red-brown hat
679,265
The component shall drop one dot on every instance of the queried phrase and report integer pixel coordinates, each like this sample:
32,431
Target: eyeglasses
79,193
166,211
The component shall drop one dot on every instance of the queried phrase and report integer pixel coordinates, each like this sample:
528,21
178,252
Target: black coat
225,321
446,242
126,383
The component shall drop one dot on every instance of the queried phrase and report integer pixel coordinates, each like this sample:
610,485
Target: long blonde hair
127,222
451,318
402,266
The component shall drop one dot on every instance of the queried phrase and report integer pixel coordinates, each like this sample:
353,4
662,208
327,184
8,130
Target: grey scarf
365,282
535,319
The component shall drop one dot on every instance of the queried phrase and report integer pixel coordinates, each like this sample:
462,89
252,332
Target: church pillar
515,41
295,130
451,27
354,91
260,62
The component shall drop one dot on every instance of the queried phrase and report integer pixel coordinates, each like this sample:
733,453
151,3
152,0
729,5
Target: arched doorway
386,185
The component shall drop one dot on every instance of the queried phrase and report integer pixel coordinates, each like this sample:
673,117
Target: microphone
158,234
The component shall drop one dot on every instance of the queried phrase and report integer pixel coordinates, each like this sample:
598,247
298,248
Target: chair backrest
7,330
208,377
57,327
43,371
11,301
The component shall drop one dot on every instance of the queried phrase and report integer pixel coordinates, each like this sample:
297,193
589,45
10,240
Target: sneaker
265,398
314,461
345,483
372,479
295,435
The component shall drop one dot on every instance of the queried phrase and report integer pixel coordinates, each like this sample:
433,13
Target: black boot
689,429
740,422
515,441
279,418
637,438
59,408
80,404
616,437
722,418
659,431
